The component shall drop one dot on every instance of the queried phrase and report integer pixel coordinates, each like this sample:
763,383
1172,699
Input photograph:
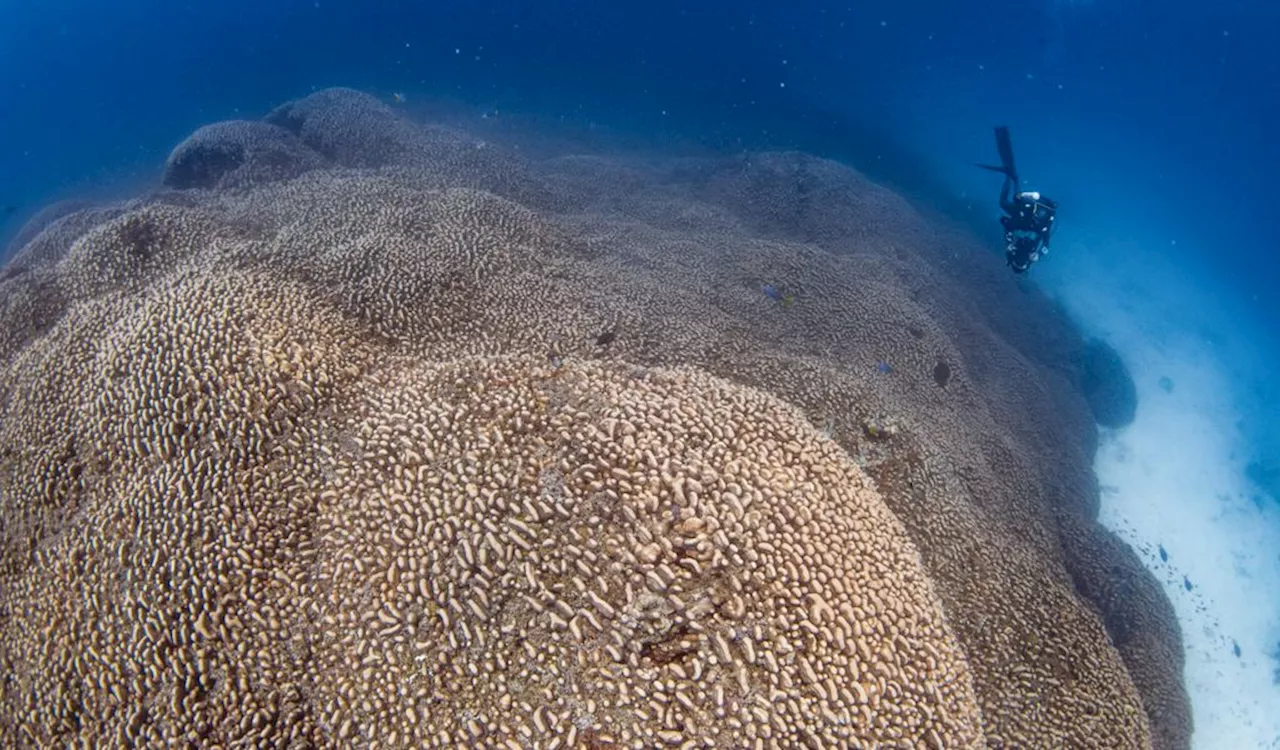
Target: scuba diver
1029,216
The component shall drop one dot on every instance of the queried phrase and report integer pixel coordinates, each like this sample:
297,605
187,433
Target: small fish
607,337
399,97
777,295
883,367
1164,556
1235,648
6,211
556,355
1186,583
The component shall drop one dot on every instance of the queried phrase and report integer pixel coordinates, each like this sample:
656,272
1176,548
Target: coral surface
368,431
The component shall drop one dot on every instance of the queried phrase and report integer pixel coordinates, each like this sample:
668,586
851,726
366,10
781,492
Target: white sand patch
1175,479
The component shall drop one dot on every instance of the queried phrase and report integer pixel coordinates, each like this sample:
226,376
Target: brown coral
567,550
232,544
216,435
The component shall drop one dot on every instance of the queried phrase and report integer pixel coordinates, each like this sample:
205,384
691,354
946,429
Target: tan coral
358,577
170,412
567,554
271,378
998,459
129,252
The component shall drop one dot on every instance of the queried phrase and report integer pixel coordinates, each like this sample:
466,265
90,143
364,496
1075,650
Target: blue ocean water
1152,123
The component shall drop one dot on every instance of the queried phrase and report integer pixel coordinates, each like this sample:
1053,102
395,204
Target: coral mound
417,442
1107,384
236,154
636,557
482,551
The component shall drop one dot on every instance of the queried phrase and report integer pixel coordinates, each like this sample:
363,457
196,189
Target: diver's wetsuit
1027,226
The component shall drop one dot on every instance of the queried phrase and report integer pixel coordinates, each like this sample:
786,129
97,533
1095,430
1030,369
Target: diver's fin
1004,144
994,168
